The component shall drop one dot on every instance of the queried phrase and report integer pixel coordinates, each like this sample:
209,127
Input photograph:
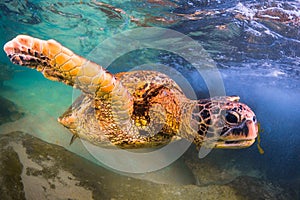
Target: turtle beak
239,137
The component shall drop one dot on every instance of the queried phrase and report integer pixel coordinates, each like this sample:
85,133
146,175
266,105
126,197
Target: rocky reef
33,169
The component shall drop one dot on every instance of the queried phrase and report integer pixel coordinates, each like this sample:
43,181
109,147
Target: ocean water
254,45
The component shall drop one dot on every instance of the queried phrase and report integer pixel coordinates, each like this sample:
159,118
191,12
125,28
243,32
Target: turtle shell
91,118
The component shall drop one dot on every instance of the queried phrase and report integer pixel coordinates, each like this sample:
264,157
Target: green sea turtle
134,109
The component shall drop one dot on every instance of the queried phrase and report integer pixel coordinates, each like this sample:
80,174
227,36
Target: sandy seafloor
261,66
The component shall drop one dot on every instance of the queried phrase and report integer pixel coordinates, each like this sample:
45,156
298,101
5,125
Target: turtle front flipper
58,63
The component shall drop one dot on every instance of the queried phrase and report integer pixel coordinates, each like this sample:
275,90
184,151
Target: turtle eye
231,118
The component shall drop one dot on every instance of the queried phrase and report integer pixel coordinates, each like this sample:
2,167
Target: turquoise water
258,56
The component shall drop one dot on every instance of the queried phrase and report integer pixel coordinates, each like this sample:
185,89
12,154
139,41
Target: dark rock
10,172
6,73
9,111
254,188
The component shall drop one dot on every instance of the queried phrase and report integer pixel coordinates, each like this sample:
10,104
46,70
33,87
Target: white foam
275,73
242,9
250,12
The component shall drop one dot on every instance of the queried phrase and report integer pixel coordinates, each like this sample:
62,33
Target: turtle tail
58,63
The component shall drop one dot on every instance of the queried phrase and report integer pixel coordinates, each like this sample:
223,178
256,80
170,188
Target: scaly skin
134,109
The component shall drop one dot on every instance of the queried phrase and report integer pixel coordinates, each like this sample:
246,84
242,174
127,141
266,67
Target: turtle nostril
254,119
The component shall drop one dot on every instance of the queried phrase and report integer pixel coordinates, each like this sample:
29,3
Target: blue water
258,58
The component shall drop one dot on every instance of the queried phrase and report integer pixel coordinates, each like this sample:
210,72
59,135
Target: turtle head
226,123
